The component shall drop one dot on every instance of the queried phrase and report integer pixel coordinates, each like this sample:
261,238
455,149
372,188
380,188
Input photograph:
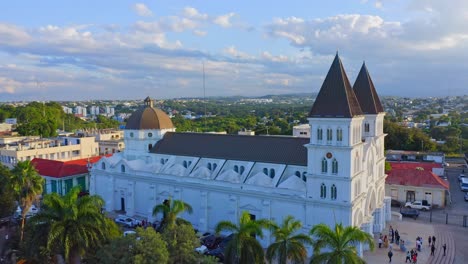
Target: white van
464,184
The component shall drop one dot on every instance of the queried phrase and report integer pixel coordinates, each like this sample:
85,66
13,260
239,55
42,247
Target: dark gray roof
336,97
366,93
269,149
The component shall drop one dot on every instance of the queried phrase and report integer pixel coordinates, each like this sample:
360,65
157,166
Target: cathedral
336,175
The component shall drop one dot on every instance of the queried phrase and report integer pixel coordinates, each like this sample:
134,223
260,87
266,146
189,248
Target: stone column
130,199
376,223
152,203
266,214
203,222
388,209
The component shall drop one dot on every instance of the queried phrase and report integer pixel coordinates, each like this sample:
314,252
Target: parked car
408,212
128,233
219,251
211,241
127,221
464,185
201,249
421,205
466,197
461,176
395,203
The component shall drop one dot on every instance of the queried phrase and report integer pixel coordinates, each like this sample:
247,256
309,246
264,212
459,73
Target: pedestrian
429,240
432,250
380,242
6,236
433,240
385,242
408,257
397,237
445,248
415,258
390,255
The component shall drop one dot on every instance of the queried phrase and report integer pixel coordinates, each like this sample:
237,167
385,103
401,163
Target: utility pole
204,95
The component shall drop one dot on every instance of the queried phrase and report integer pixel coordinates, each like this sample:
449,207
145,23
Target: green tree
27,184
341,243
244,247
146,246
171,209
150,247
181,242
7,196
289,247
76,224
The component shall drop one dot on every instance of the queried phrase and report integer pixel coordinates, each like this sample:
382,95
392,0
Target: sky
89,50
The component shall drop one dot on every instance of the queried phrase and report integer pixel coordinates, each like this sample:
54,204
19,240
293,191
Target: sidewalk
409,230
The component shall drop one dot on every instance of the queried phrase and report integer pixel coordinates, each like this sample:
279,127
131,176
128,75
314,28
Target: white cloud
142,10
193,13
378,4
232,51
13,35
200,33
224,20
267,56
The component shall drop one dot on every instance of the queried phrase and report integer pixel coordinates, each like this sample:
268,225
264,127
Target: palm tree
76,224
288,247
27,184
244,247
341,242
170,210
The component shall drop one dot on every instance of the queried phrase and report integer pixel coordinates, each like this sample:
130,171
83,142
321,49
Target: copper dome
149,118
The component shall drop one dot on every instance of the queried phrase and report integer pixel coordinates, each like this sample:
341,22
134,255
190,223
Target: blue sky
74,50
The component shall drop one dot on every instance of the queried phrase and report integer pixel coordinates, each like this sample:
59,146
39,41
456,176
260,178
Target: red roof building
61,176
410,181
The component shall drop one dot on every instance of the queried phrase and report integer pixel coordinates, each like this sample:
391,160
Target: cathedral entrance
122,204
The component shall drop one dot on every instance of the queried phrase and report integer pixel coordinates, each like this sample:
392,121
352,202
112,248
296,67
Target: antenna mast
204,94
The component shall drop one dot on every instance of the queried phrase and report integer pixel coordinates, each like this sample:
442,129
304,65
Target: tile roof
269,149
59,169
407,174
366,93
413,165
336,97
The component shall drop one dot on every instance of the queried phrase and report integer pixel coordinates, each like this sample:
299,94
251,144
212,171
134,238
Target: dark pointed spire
336,97
366,94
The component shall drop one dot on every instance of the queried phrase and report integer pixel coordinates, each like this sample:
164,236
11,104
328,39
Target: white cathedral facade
335,176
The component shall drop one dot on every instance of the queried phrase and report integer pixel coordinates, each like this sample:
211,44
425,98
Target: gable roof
366,94
336,97
269,149
409,175
59,169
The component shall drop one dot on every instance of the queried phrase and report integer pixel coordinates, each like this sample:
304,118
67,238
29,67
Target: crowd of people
411,255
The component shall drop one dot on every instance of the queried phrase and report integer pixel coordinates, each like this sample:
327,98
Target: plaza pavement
409,230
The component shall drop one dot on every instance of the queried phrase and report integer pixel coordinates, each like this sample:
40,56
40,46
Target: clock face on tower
329,155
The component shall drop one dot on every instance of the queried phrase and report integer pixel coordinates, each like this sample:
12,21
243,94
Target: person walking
429,240
445,248
432,250
390,255
408,257
433,240
380,242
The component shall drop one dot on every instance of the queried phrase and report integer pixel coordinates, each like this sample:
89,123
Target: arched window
265,171
122,168
333,192
242,169
214,166
103,166
131,134
366,127
236,168
189,163
209,166
272,173
339,134
319,134
324,165
304,176
323,191
185,164
150,146
334,166
298,174
162,161
329,134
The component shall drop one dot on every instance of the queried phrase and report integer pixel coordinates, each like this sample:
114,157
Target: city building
109,140
416,181
419,157
59,148
61,176
336,175
301,131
